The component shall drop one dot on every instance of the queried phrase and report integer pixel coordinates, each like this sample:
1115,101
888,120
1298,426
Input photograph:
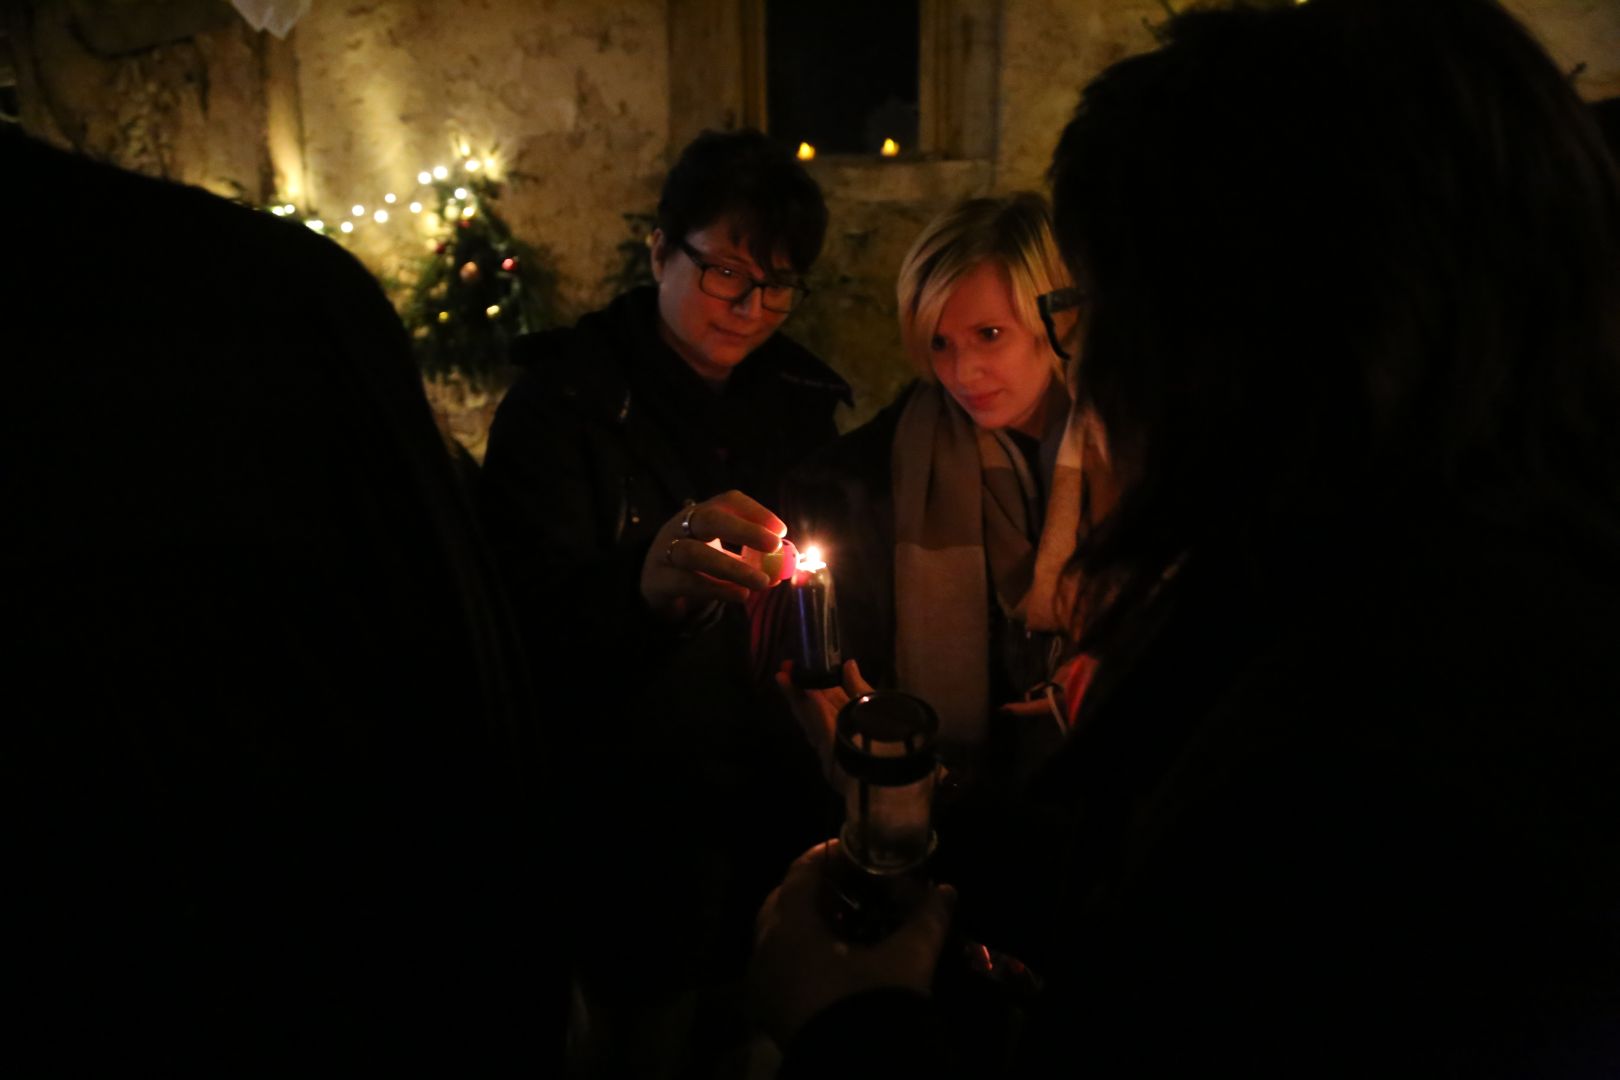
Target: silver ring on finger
686,519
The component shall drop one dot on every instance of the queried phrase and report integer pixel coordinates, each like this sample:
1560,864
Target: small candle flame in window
890,148
810,558
806,152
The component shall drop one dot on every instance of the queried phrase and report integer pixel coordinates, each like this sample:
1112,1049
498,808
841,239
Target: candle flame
810,558
890,148
806,152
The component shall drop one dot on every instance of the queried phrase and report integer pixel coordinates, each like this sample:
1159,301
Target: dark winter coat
1371,828
267,749
689,781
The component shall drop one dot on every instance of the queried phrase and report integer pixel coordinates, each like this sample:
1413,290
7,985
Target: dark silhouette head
1353,266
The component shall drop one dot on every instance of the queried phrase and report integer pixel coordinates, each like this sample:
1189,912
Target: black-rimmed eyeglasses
726,283
1059,302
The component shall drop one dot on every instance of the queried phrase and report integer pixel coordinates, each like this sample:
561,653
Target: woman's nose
749,303
968,365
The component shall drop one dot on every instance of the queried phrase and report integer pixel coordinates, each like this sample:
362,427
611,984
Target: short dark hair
1354,270
757,184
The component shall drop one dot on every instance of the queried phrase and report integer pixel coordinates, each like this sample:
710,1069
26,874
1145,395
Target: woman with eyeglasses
634,445
949,517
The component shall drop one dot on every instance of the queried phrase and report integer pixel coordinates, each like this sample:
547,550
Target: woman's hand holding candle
777,565
687,565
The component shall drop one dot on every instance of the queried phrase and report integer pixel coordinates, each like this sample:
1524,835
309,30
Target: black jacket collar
602,362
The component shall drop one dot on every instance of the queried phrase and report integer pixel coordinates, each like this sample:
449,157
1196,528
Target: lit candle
890,148
817,656
807,152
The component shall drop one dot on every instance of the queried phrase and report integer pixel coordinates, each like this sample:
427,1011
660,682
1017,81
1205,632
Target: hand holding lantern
801,966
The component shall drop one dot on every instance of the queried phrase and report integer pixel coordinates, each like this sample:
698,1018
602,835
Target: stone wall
583,103
569,94
181,98
1581,34
1050,50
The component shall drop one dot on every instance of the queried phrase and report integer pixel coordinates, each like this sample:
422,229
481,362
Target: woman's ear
657,253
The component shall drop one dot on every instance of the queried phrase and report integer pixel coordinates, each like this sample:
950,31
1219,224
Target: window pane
841,75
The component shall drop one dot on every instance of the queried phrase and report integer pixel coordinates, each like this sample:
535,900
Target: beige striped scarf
964,501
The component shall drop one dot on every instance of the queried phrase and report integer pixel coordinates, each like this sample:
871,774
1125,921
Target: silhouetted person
267,760
1344,796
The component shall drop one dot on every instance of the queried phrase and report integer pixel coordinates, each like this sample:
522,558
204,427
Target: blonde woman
948,518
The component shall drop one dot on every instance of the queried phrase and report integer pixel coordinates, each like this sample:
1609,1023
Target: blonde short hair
1015,231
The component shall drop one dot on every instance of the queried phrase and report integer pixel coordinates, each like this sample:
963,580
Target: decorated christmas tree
476,289
479,287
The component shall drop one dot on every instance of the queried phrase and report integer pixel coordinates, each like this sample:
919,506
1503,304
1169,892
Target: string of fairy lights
445,198
462,203
477,287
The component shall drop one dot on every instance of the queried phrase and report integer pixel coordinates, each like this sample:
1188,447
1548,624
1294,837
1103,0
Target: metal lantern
886,749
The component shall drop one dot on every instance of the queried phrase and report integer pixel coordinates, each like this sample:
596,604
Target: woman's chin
989,419
728,352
